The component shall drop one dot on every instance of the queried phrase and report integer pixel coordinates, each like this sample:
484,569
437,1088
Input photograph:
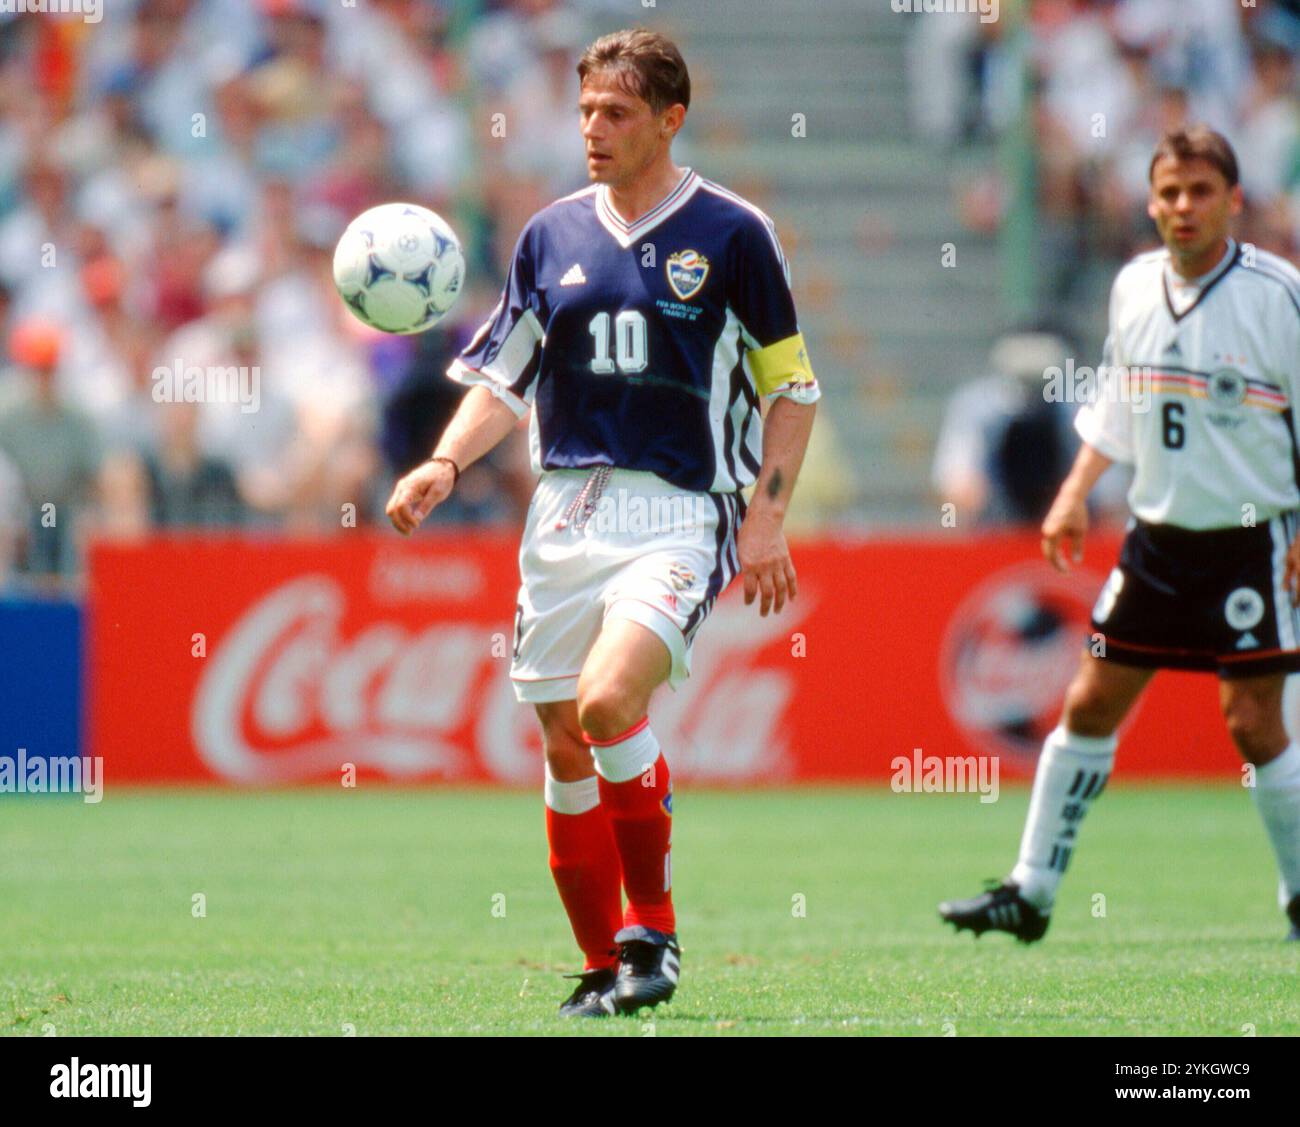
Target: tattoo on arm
774,484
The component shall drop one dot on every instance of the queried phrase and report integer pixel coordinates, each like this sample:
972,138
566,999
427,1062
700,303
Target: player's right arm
1066,523
481,421
1105,423
500,367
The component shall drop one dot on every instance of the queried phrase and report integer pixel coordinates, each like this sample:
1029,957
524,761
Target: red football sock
638,799
584,863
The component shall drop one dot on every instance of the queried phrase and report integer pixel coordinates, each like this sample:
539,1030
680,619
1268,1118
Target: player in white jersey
1197,392
643,320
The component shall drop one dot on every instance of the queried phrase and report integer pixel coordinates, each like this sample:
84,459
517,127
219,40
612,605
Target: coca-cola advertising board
289,661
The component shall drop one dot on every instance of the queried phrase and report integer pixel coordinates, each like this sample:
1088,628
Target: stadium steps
863,208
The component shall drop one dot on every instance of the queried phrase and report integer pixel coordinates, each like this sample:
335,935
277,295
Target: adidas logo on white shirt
575,277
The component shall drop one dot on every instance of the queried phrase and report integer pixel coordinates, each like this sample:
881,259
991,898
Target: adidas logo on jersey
575,277
1248,641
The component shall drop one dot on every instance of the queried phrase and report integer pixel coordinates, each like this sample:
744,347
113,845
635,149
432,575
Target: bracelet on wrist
455,469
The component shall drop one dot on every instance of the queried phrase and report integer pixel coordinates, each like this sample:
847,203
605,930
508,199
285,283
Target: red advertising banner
280,662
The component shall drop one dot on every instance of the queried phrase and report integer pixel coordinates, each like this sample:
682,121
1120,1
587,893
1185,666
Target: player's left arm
1288,341
1291,577
764,558
777,362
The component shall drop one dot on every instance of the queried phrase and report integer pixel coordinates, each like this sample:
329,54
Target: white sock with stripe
1277,797
629,757
571,798
1072,770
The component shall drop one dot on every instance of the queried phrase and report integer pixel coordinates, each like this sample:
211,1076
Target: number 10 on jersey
629,343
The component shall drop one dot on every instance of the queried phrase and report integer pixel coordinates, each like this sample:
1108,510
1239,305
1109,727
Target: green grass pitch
381,911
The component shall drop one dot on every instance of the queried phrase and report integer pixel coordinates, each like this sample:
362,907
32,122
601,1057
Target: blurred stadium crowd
1107,79
173,179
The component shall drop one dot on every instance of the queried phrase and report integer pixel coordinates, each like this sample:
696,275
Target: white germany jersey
1213,369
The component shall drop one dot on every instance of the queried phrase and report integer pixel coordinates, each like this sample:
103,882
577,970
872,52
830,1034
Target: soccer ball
399,267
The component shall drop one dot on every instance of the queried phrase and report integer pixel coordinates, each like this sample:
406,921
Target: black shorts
1210,601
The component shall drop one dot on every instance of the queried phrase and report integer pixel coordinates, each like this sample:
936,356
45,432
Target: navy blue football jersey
646,346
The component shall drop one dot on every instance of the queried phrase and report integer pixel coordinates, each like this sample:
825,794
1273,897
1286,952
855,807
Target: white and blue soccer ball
399,267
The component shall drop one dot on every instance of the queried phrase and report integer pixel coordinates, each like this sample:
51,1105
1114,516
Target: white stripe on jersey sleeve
516,353
517,350
463,374
751,439
726,355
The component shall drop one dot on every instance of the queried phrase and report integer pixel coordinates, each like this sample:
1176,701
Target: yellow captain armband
782,367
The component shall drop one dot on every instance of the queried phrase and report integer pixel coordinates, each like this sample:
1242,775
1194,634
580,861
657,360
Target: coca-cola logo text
289,693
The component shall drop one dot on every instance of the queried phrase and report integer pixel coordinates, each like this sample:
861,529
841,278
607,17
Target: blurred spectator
13,520
500,44
6,307
254,437
1006,444
186,486
1280,22
34,233
544,145
959,72
107,345
399,54
52,445
1268,146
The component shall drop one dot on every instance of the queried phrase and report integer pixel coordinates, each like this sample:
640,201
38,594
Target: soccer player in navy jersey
644,320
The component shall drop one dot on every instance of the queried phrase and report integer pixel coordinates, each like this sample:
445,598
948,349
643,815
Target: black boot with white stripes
593,996
648,967
999,908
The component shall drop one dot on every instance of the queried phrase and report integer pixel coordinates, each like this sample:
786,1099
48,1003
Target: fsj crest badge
687,270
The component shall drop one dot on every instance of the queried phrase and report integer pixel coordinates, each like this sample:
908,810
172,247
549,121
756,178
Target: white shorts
648,551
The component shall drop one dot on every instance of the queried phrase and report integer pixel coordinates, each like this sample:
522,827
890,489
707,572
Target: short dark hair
1197,142
654,68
